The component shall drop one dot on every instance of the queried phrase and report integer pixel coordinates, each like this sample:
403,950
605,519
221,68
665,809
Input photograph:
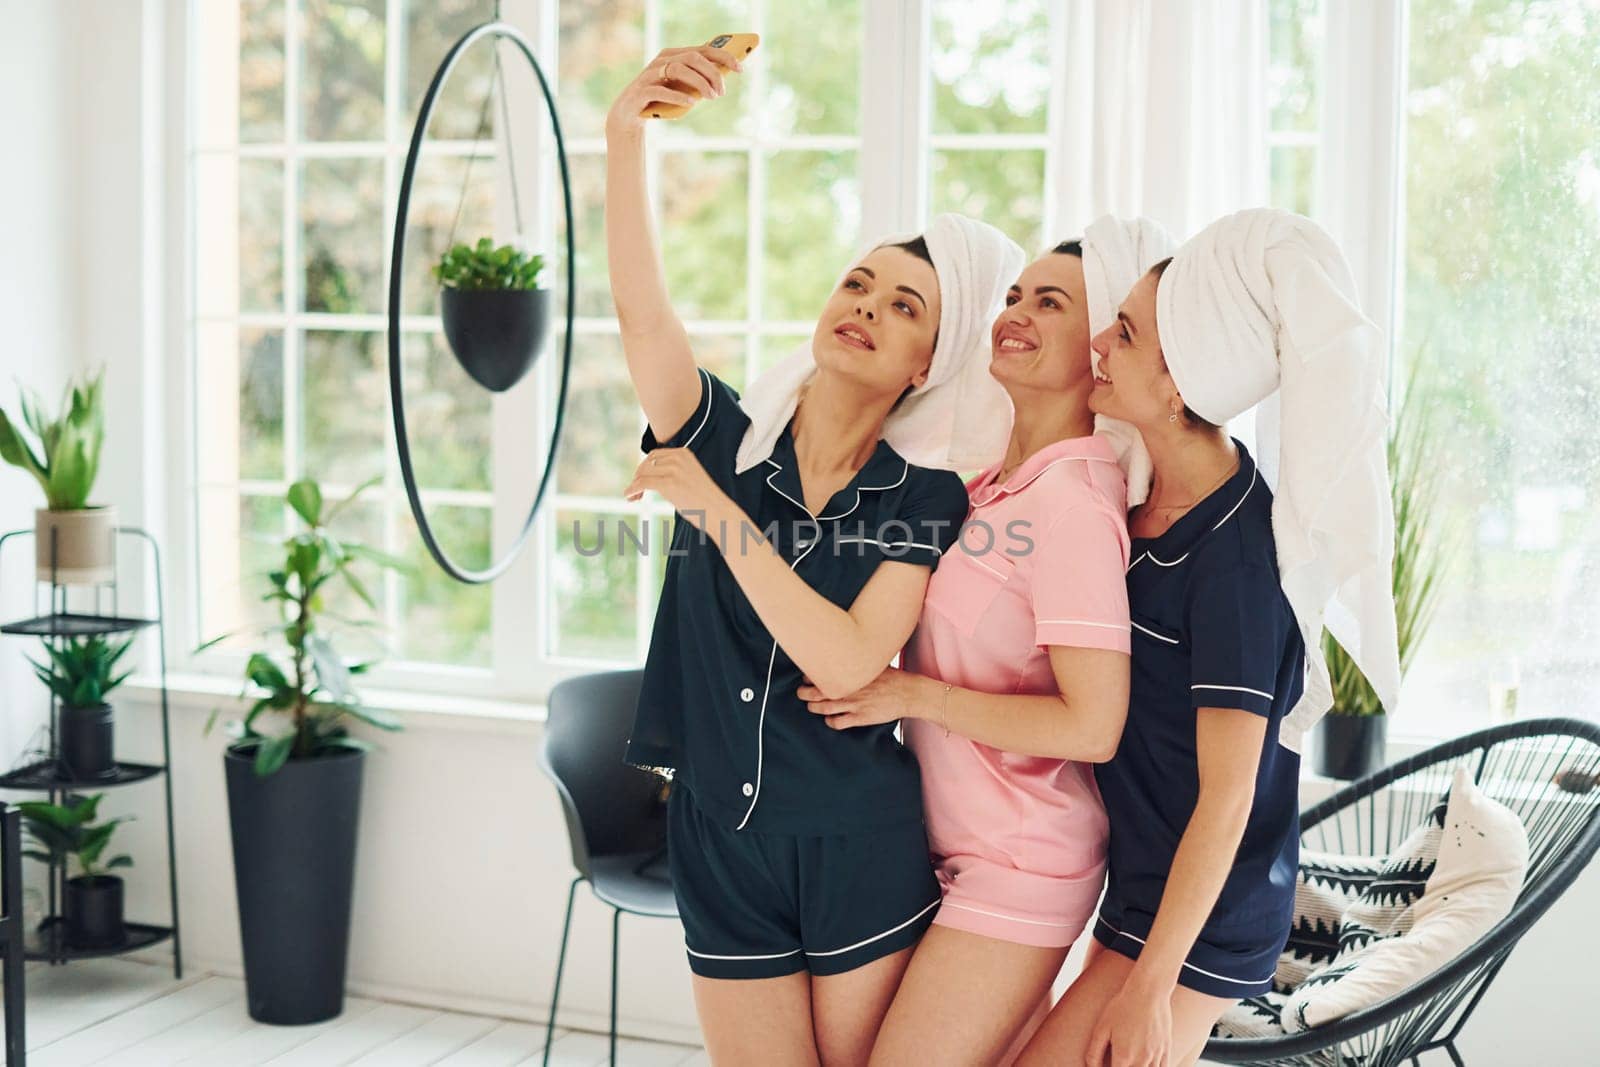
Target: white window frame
892,157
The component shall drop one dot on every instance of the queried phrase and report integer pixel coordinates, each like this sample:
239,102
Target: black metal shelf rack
51,776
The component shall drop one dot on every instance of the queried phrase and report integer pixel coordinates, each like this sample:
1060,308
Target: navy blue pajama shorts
762,905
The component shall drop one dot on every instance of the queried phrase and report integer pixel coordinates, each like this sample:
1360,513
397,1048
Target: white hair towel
960,418
1261,304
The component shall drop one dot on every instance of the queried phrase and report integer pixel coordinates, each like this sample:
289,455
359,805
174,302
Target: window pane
341,77
775,348
432,29
448,193
602,48
1502,245
1294,70
600,435
687,25
722,355
813,214
1004,189
812,56
261,404
1293,177
588,174
238,58
448,416
596,590
991,67
239,235
342,213
704,222
346,407
442,620
242,540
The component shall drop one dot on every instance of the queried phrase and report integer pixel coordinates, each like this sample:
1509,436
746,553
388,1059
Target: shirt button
747,695
749,789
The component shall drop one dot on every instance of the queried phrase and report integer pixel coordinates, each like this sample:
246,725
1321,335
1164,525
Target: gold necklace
1229,473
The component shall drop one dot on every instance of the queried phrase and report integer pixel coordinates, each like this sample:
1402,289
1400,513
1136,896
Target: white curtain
1162,107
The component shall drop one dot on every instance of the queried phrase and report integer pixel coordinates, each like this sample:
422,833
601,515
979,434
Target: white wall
40,324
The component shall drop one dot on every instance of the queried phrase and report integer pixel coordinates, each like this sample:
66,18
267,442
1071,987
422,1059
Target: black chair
616,818
1545,770
12,933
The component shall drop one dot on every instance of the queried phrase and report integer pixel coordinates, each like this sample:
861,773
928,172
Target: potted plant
80,674
74,541
495,314
93,900
294,788
1352,737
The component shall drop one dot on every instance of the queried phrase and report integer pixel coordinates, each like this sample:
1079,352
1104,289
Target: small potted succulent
1352,737
81,674
495,312
294,790
93,902
74,540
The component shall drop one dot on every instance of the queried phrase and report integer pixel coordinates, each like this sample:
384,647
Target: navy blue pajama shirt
793,845
1211,629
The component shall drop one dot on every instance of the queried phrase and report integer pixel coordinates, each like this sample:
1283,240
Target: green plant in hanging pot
294,789
1352,737
495,312
93,901
75,541
81,673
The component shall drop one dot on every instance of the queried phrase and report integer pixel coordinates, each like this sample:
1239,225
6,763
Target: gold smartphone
737,45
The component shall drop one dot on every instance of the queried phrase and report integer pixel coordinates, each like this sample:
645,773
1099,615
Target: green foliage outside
64,457
69,831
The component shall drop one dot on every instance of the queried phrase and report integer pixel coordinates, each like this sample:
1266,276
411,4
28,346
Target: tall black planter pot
294,857
1350,747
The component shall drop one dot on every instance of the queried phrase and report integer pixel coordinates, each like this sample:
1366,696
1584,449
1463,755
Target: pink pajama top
1019,842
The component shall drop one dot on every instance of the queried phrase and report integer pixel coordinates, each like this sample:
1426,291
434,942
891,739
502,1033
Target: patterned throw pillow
1339,902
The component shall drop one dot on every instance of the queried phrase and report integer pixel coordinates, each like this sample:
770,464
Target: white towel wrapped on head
1262,304
1116,254
960,418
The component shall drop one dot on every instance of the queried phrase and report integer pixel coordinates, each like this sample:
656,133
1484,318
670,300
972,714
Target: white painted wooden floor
119,1011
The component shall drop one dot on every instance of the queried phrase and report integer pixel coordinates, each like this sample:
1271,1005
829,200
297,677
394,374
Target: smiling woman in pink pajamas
1015,683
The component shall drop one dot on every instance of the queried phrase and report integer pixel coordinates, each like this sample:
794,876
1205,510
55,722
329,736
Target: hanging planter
495,315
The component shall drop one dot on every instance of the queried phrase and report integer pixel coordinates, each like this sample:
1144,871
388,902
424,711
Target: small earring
1172,417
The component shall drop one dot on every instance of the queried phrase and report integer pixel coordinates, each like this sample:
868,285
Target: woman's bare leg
1064,1036
847,1009
965,998
757,1020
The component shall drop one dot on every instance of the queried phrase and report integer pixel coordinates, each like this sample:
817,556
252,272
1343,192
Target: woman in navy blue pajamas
799,857
1201,798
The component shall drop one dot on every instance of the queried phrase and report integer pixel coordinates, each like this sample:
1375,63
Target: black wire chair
1545,770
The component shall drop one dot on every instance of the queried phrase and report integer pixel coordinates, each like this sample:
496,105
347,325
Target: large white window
302,113
1501,231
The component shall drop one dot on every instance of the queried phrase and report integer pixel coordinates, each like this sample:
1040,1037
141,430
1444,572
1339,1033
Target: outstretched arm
654,341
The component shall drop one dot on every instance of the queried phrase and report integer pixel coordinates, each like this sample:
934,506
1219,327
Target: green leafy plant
308,680
69,830
68,454
80,671
1421,552
483,266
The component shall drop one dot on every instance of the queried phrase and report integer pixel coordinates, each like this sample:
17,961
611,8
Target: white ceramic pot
83,542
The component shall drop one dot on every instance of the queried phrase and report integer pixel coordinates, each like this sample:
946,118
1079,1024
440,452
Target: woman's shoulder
1078,482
